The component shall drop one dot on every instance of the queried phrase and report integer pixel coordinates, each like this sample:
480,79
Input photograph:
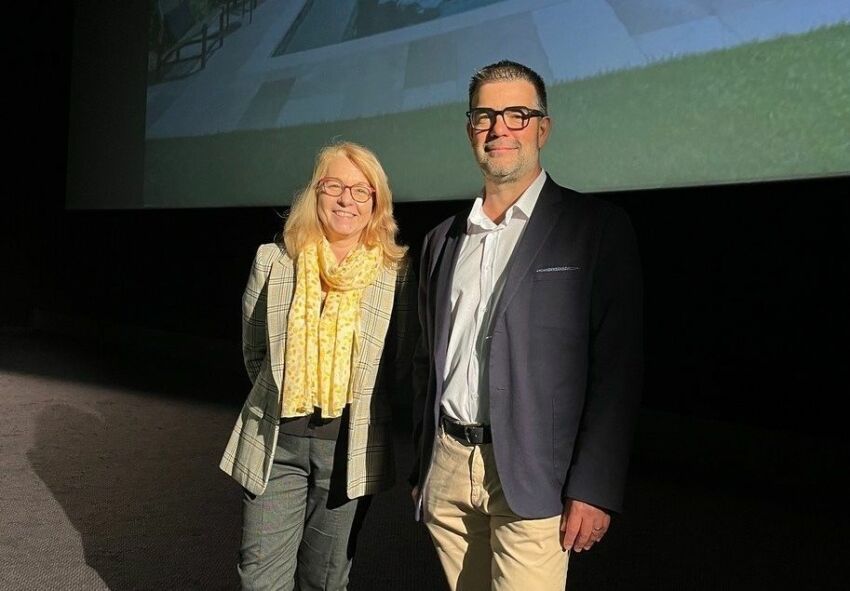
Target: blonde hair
302,226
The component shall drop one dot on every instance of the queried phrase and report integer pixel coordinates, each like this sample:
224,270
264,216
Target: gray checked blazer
389,329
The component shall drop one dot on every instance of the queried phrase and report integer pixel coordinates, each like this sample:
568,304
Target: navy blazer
566,354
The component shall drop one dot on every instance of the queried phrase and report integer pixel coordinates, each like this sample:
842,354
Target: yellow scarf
322,343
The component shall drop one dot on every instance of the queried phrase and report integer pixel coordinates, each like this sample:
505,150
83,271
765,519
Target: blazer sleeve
600,461
254,339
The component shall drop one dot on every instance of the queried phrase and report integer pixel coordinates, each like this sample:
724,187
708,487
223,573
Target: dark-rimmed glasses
515,118
360,192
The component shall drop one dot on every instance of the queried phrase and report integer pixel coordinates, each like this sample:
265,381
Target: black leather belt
466,434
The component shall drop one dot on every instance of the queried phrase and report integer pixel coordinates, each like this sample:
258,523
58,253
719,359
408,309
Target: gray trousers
301,532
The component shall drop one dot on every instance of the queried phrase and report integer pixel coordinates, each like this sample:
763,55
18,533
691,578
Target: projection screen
645,94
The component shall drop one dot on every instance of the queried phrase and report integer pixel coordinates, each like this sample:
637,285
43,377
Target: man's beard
502,172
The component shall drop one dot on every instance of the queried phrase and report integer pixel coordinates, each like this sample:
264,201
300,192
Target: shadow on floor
709,505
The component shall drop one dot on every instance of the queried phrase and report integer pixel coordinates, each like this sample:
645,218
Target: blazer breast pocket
558,273
557,298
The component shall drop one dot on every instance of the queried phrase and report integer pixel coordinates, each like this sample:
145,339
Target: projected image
328,22
642,94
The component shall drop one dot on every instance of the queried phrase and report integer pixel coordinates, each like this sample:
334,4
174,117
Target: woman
328,323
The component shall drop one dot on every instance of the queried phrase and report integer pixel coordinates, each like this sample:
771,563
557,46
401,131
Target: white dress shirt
478,281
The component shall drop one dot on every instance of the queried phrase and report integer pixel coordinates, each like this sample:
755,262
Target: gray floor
109,480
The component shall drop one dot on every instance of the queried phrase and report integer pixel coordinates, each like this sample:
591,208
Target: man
529,367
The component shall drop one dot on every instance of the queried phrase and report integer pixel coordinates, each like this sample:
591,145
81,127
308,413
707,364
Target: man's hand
582,525
414,494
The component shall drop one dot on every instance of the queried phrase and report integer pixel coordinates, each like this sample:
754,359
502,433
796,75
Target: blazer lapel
446,259
376,308
542,221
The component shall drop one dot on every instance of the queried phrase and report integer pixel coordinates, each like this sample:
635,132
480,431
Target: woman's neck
341,248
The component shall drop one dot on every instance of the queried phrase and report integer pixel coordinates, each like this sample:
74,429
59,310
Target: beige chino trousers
481,543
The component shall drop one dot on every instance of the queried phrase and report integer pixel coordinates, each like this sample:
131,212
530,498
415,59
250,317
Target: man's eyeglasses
360,192
515,118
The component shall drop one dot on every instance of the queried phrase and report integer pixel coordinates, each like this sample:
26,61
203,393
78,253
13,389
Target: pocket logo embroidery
557,269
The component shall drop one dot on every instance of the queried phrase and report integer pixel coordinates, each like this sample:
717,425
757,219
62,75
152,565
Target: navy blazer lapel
542,221
446,259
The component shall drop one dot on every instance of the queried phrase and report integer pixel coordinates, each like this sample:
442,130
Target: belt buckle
473,435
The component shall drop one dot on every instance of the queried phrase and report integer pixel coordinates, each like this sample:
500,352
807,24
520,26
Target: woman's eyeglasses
360,192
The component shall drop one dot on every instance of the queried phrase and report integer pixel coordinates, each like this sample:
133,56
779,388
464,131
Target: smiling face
506,155
342,218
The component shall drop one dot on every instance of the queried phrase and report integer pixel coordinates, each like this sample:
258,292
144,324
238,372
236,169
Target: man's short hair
507,70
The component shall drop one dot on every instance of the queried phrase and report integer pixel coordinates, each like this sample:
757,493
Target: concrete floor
109,480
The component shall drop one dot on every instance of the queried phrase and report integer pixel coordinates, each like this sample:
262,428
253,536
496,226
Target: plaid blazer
389,329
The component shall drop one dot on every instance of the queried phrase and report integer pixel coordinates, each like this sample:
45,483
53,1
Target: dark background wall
746,285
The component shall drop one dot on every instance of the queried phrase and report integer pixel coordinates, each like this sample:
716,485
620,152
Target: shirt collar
522,208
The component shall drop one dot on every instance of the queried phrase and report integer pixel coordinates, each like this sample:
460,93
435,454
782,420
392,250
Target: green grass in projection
775,109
